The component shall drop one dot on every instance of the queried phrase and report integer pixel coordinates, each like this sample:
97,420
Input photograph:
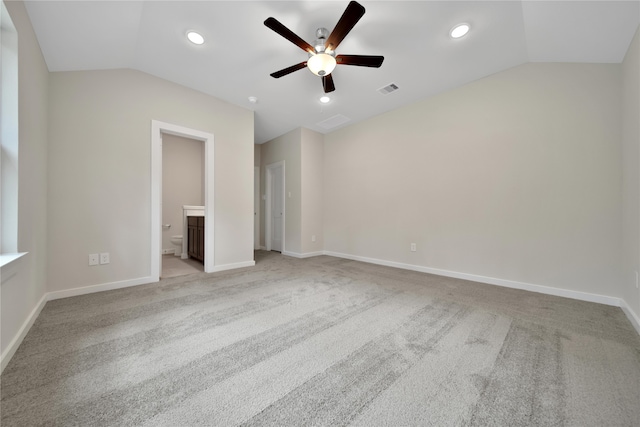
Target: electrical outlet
93,259
413,247
313,239
104,258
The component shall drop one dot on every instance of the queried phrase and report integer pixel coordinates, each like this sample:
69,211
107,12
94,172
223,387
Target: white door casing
275,218
256,207
157,129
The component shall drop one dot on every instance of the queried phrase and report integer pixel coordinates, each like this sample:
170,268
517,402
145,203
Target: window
8,138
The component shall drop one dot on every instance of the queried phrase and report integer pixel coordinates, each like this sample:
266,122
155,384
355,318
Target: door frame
158,128
267,214
256,207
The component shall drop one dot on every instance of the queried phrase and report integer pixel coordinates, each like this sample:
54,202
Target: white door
277,208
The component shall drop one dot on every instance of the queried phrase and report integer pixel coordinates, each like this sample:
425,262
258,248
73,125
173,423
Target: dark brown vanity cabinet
195,236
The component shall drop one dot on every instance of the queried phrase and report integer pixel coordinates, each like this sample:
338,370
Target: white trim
267,209
618,302
7,259
233,266
157,129
304,255
267,214
84,290
583,296
17,340
9,265
209,198
631,315
156,199
256,207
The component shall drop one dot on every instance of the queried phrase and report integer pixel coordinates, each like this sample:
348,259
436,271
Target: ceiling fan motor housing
321,39
323,62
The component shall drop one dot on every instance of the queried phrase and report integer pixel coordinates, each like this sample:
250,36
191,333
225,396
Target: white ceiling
240,52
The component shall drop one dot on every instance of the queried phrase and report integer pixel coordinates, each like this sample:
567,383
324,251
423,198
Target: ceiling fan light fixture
459,30
195,38
325,99
321,64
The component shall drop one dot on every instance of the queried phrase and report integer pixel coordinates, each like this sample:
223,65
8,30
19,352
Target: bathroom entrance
182,200
161,227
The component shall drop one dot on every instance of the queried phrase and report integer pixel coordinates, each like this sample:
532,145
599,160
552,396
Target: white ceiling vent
391,87
334,121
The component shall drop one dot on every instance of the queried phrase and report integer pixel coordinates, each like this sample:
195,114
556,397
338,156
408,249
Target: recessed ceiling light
459,31
195,38
253,99
324,99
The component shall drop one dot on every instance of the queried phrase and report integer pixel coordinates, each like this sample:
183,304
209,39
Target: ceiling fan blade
289,70
327,84
348,20
276,26
360,60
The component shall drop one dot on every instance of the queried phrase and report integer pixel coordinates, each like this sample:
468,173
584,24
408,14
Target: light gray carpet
323,341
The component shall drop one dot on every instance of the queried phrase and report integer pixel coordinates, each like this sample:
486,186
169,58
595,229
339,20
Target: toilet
177,240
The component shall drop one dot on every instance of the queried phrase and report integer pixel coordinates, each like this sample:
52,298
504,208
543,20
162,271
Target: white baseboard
224,267
304,255
17,340
49,296
631,315
99,288
583,296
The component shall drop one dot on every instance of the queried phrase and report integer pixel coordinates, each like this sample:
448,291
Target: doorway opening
275,207
182,198
158,130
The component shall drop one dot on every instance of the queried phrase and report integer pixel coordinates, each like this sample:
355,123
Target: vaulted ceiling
239,52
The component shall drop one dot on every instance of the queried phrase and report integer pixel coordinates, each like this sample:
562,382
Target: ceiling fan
322,54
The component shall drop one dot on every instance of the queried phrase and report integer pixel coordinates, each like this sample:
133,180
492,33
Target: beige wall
631,175
22,292
99,172
182,182
515,176
285,148
256,154
311,156
302,151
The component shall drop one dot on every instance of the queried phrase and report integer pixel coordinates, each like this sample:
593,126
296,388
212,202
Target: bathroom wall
182,182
